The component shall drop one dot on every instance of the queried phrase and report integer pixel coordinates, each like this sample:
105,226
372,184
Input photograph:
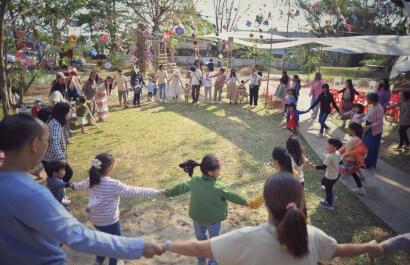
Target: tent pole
270,65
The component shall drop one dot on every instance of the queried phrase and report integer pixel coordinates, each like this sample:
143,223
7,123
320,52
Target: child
292,118
137,92
356,114
55,172
104,196
209,196
354,152
207,80
282,163
326,101
298,159
150,88
35,110
290,98
331,167
82,111
187,92
242,92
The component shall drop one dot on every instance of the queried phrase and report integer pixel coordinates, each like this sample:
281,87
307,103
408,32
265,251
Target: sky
258,7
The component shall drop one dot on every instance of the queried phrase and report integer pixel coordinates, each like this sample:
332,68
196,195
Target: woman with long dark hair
384,93
348,95
89,90
57,148
233,83
284,239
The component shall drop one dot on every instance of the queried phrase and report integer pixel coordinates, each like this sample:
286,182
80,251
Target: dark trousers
137,97
195,93
114,229
68,171
253,95
404,138
329,183
357,180
322,121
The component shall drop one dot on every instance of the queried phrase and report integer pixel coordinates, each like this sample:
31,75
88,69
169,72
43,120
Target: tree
342,17
227,14
5,90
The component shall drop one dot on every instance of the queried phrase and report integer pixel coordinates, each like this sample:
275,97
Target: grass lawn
150,142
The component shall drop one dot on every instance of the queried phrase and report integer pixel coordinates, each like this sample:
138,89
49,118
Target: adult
404,120
255,83
33,223
59,84
315,91
348,96
89,90
195,80
101,99
373,129
383,91
175,86
219,85
284,239
233,83
74,84
162,78
120,82
57,148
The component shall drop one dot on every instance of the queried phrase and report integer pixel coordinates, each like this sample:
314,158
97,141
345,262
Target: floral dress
101,101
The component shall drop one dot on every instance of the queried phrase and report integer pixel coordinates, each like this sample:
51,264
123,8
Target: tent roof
378,44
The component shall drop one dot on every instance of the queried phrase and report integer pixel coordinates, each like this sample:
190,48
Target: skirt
102,105
82,120
280,91
347,105
232,93
348,167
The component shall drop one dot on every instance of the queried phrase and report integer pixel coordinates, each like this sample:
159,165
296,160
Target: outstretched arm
137,192
192,248
178,189
352,250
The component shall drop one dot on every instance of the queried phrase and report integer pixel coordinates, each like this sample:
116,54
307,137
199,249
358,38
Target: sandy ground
168,220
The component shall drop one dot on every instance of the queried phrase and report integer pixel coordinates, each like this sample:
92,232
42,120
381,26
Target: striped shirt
57,142
104,198
56,186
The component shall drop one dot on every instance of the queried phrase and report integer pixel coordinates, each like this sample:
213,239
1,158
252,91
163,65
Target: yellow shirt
256,202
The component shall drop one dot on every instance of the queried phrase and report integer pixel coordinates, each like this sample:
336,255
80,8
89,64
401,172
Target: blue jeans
200,233
162,91
322,121
113,229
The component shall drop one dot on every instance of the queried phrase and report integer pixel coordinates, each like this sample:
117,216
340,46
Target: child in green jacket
208,206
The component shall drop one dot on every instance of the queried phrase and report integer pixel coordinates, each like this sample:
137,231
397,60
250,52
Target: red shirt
35,111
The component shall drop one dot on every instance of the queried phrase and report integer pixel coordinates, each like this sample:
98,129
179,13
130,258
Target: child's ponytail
292,231
99,166
189,166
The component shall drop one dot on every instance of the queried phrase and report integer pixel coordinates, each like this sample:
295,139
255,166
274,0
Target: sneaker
334,197
319,135
65,202
360,191
120,262
326,205
399,147
323,187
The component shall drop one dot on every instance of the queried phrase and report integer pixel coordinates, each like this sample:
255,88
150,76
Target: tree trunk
5,90
140,53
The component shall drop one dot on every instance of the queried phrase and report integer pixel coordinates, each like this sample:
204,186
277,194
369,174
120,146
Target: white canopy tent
402,65
377,44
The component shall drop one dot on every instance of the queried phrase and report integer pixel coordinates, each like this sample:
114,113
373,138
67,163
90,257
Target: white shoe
319,135
323,187
65,201
360,191
120,262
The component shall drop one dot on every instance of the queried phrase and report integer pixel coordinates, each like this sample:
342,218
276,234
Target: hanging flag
248,23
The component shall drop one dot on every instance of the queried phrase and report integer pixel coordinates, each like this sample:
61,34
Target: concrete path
387,188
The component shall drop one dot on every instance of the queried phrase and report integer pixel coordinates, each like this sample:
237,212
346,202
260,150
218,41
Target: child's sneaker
334,197
326,205
65,202
323,187
360,191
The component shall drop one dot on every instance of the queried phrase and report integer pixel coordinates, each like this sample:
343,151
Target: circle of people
35,220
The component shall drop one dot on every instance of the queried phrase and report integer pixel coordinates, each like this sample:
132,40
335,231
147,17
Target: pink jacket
375,117
315,87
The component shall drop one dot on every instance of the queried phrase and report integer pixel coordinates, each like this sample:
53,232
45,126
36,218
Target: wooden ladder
163,58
